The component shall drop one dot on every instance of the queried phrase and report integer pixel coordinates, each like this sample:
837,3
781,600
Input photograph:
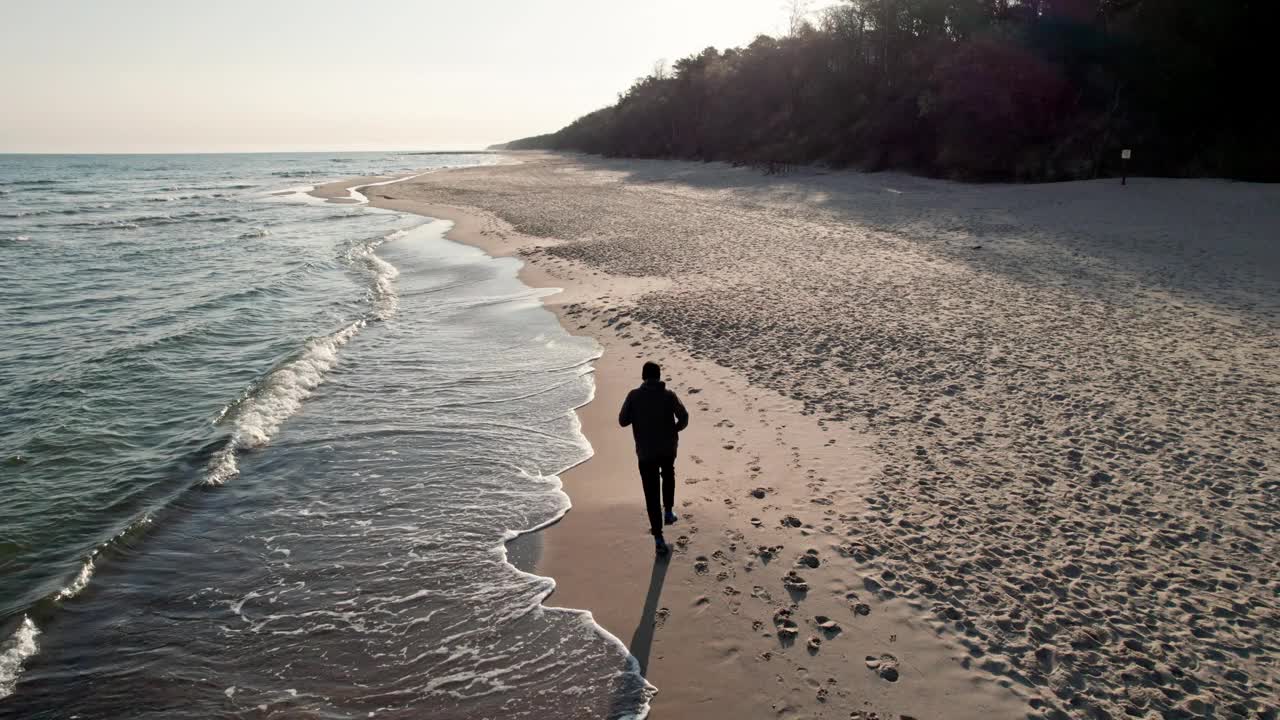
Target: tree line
1025,90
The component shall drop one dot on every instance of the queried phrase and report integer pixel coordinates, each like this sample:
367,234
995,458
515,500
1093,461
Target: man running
656,417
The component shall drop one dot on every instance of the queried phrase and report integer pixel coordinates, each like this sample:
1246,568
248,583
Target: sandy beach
957,451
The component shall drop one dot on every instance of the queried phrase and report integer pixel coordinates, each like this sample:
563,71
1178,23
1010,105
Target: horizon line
254,152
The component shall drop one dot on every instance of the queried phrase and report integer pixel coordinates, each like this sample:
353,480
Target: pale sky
261,75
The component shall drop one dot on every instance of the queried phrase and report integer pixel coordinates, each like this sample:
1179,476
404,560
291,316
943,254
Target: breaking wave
258,414
16,650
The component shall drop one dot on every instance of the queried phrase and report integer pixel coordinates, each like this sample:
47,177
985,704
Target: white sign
1126,154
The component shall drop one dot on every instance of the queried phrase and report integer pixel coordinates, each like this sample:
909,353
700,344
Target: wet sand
956,451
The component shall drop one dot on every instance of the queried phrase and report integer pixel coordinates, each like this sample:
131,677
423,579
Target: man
656,417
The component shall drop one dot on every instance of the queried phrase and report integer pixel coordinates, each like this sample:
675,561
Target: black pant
649,472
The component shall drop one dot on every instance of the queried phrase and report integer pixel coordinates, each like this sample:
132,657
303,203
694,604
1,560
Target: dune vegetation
1024,90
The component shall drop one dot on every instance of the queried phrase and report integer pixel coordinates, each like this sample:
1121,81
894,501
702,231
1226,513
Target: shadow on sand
642,639
627,690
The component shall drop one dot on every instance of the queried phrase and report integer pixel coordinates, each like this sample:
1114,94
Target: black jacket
656,416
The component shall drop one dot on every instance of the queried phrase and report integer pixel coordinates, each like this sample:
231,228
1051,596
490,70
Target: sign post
1125,154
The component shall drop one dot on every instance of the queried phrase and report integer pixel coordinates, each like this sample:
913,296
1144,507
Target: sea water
260,454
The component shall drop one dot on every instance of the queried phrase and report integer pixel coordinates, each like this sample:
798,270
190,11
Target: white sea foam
82,580
278,396
281,393
587,369
382,293
88,567
14,653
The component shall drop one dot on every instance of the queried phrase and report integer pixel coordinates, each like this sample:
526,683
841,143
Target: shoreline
956,451
694,646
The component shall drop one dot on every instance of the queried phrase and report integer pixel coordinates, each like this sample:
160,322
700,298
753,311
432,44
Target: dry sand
1016,443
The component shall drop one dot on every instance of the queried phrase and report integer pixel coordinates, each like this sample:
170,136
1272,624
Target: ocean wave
89,565
195,188
177,198
53,211
260,412
297,173
99,225
280,394
87,568
255,233
133,223
20,646
382,292
155,219
94,224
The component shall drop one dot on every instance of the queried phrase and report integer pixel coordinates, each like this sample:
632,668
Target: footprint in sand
795,584
766,552
786,627
886,666
829,627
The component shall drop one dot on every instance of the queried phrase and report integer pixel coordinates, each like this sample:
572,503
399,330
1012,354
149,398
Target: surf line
645,691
